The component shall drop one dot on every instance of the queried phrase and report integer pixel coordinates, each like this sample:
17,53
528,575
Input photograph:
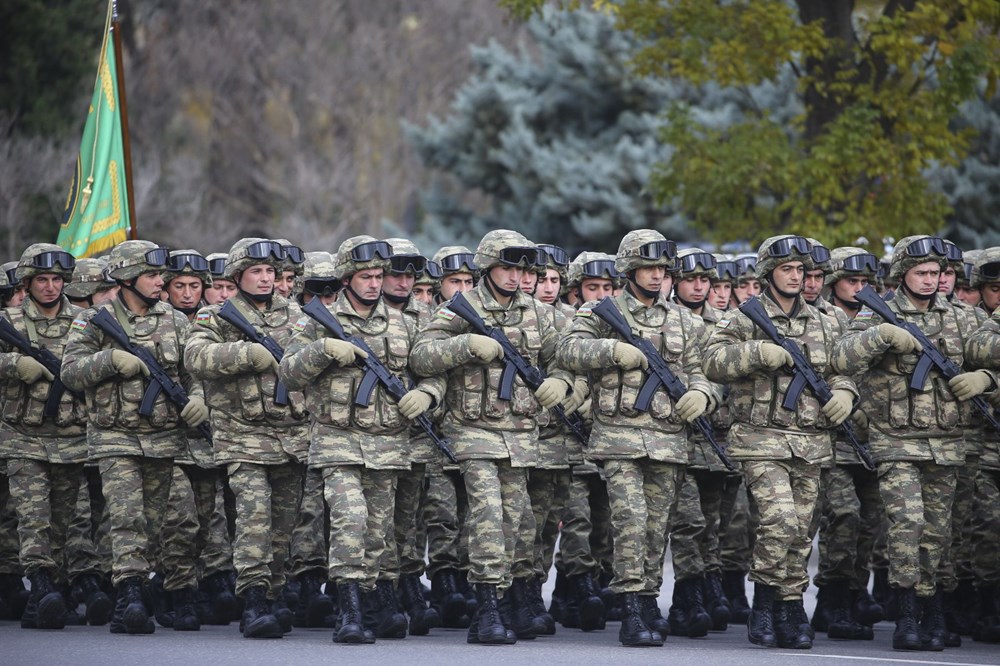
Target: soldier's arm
587,343
207,355
693,361
442,345
434,386
84,363
194,388
861,347
834,331
732,352
549,330
304,358
982,349
8,357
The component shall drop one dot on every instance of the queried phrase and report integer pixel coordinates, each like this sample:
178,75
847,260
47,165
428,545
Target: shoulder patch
300,325
584,312
78,324
445,313
723,323
864,315
203,316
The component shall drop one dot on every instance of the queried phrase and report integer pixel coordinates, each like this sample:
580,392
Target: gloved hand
773,357
261,359
574,400
551,392
30,371
628,357
342,353
127,365
195,412
970,384
585,409
414,403
900,340
691,405
484,348
838,408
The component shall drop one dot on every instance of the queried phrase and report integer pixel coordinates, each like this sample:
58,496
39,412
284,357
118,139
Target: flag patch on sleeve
78,324
445,313
584,312
300,325
723,323
864,315
203,316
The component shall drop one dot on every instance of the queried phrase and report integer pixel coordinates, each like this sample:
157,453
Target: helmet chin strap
508,293
690,305
45,305
367,302
853,306
392,298
913,294
634,286
186,311
150,301
257,298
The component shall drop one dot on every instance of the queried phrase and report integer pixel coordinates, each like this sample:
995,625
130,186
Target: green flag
97,214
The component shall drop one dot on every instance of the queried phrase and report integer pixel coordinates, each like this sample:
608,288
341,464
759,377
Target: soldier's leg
685,529
838,537
345,496
541,496
178,552
441,522
410,490
601,534
122,481
252,547
379,488
938,487
986,530
735,532
661,488
902,496
285,483
81,552
30,489
309,544
629,519
548,530
804,479
955,560
10,544
526,537
710,491
770,486
574,544
217,556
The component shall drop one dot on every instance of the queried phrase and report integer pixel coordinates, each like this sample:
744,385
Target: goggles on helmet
990,272
857,263
433,270
264,249
294,253
727,270
402,263
45,260
784,247
453,263
658,249
691,262
600,268
196,262
368,251
923,247
521,256
558,255
321,286
217,266
820,254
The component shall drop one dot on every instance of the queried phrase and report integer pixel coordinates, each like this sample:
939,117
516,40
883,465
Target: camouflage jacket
422,449
702,455
843,452
574,448
904,424
984,352
247,425
480,425
620,431
554,442
114,426
763,429
59,439
342,432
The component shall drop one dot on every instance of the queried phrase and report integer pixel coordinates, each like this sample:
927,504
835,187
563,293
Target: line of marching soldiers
291,438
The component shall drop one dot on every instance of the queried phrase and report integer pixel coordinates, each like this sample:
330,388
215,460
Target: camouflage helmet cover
837,272
449,251
89,277
989,257
205,276
26,269
698,268
574,272
628,259
346,266
825,266
488,251
238,261
127,260
767,263
902,262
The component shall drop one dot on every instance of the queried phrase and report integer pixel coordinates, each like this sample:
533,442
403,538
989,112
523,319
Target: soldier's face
744,289
968,295
398,284
423,293
284,283
547,290
507,278
694,288
528,282
258,279
719,294
455,283
46,287
652,278
18,296
946,281
991,296
923,278
667,284
788,277
812,285
150,284
185,292
220,291
594,289
367,283
845,288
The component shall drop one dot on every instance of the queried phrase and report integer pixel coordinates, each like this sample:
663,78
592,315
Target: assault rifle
375,373
514,364
930,356
231,313
15,339
803,374
659,374
159,380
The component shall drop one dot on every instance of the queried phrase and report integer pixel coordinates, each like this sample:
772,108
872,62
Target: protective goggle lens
923,247
820,254
196,262
521,256
990,272
857,263
727,270
745,264
657,249
691,262
433,270
320,287
453,263
404,263
50,259
217,266
786,246
558,255
294,254
602,268
158,257
265,249
952,251
368,251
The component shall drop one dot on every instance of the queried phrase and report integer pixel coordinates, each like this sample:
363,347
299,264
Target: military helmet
555,258
508,248
778,250
726,269
914,250
406,258
248,252
969,258
187,262
6,288
455,259
39,258
694,261
130,259
319,274
642,248
848,262
595,265
820,257
294,256
954,256
360,253
217,265
89,277
987,268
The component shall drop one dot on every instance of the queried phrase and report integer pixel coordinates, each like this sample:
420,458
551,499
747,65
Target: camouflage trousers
736,529
498,498
406,557
445,514
267,500
694,535
784,493
643,495
917,497
585,541
10,545
548,492
186,525
956,562
135,490
361,509
88,537
217,555
310,541
523,565
44,496
986,529
852,514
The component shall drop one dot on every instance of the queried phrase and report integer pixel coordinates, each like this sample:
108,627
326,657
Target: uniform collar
30,309
343,306
635,305
799,311
490,303
905,303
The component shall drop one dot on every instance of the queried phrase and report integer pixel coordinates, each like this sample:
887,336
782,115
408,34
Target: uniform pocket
472,392
607,393
763,396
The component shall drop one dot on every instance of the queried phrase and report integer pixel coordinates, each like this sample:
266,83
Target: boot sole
99,609
51,612
591,614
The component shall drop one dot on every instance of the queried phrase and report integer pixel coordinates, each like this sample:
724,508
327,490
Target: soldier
916,435
15,294
291,268
494,440
261,441
814,281
746,283
720,295
360,450
90,285
135,452
642,455
964,290
423,286
780,449
222,288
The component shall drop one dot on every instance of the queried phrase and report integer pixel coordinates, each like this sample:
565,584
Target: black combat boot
46,607
651,615
391,623
449,599
560,592
131,616
589,606
716,602
488,627
734,585
185,614
158,601
258,620
422,618
526,624
821,615
546,623
634,631
613,609
13,595
284,614
314,606
760,624
350,628
866,610
222,600
72,617
790,633
961,608
987,628
698,619
907,633
932,628
842,624
87,591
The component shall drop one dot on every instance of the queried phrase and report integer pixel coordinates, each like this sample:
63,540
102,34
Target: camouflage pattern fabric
186,525
548,491
361,511
736,532
525,544
444,518
694,538
10,545
852,514
585,540
409,560
497,501
88,537
217,555
310,535
986,528
956,562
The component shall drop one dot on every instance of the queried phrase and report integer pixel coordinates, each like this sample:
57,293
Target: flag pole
123,112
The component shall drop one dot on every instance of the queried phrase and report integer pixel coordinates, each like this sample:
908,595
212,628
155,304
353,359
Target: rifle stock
231,313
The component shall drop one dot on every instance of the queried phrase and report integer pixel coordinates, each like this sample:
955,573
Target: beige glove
342,353
261,359
628,357
195,412
900,341
585,409
691,405
551,392
127,365
574,400
30,371
484,349
839,407
414,403
970,384
773,357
